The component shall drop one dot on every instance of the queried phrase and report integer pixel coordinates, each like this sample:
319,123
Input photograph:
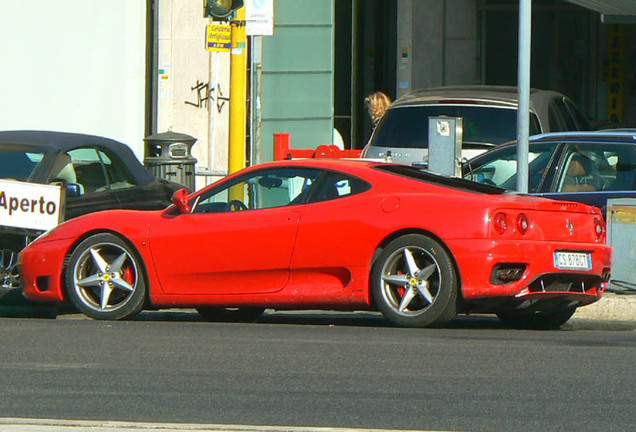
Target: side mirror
74,190
180,200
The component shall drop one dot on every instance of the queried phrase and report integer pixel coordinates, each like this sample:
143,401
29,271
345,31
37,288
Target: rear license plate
572,261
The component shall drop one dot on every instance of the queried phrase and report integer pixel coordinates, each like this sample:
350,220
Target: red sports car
329,234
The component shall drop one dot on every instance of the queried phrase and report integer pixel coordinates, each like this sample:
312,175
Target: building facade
129,69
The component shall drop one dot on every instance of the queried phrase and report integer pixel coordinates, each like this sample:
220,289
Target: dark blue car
588,167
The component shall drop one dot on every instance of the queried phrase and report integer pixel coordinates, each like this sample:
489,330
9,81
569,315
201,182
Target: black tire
217,314
105,278
421,294
537,320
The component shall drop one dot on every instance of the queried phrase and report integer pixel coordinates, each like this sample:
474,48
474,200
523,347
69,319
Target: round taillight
522,223
599,227
500,222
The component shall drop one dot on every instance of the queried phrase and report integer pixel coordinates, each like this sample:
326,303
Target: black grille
565,282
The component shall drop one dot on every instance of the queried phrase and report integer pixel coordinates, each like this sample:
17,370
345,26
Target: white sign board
259,17
29,205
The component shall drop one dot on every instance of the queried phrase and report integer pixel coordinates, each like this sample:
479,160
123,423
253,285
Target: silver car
489,118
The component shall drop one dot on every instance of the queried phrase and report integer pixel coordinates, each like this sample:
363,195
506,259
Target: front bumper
41,270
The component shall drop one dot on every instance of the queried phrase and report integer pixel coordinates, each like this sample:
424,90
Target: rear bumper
540,278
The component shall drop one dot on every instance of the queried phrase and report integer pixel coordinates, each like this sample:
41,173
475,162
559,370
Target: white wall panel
75,66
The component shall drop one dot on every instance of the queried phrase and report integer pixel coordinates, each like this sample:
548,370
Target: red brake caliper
128,277
401,290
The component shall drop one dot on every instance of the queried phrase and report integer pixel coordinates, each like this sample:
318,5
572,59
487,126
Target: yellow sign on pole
218,37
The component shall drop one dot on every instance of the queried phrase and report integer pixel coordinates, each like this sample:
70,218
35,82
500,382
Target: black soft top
59,142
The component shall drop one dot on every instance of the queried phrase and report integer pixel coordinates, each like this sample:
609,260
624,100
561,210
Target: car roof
591,136
60,142
363,168
497,95
605,136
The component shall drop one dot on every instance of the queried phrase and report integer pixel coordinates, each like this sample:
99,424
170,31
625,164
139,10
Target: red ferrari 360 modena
329,234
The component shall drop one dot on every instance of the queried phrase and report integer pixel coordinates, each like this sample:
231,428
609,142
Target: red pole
281,145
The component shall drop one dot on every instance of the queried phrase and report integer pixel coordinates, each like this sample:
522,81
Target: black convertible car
96,173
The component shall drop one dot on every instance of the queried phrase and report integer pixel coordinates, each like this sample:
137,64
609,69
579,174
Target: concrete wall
193,85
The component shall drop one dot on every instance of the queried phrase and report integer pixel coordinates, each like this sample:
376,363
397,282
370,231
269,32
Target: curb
611,312
50,425
611,307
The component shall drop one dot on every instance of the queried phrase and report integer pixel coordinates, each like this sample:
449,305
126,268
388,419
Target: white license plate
572,261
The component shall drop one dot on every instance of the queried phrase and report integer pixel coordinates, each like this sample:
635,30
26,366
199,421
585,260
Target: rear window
454,182
407,127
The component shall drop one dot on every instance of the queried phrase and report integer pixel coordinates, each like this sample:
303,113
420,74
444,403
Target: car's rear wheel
104,278
537,320
230,314
414,283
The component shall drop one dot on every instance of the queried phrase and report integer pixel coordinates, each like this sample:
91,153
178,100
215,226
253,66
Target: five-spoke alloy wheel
413,282
104,278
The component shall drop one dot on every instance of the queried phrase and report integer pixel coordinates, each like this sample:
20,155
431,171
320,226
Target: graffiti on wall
205,95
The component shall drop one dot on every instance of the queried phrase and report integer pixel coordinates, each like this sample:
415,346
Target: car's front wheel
230,314
104,278
414,283
536,320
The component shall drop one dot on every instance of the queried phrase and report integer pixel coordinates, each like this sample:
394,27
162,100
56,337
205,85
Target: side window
586,169
535,125
566,115
335,185
116,172
63,170
89,170
622,160
259,190
598,167
557,124
582,122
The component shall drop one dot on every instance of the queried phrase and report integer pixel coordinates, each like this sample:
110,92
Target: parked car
331,234
489,118
589,167
96,174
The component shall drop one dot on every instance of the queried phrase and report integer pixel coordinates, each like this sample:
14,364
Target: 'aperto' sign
30,205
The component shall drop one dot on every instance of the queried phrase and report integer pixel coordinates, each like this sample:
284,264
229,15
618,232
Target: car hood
129,223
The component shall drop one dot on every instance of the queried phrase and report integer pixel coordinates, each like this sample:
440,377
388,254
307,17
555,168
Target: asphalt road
330,370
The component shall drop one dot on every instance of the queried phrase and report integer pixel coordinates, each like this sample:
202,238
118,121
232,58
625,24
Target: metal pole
523,89
238,69
255,100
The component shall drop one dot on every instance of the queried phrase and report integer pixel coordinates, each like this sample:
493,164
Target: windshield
407,127
18,164
500,167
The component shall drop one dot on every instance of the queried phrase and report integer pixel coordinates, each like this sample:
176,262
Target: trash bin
168,156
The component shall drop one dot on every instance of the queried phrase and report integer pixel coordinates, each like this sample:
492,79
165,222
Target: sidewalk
612,310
